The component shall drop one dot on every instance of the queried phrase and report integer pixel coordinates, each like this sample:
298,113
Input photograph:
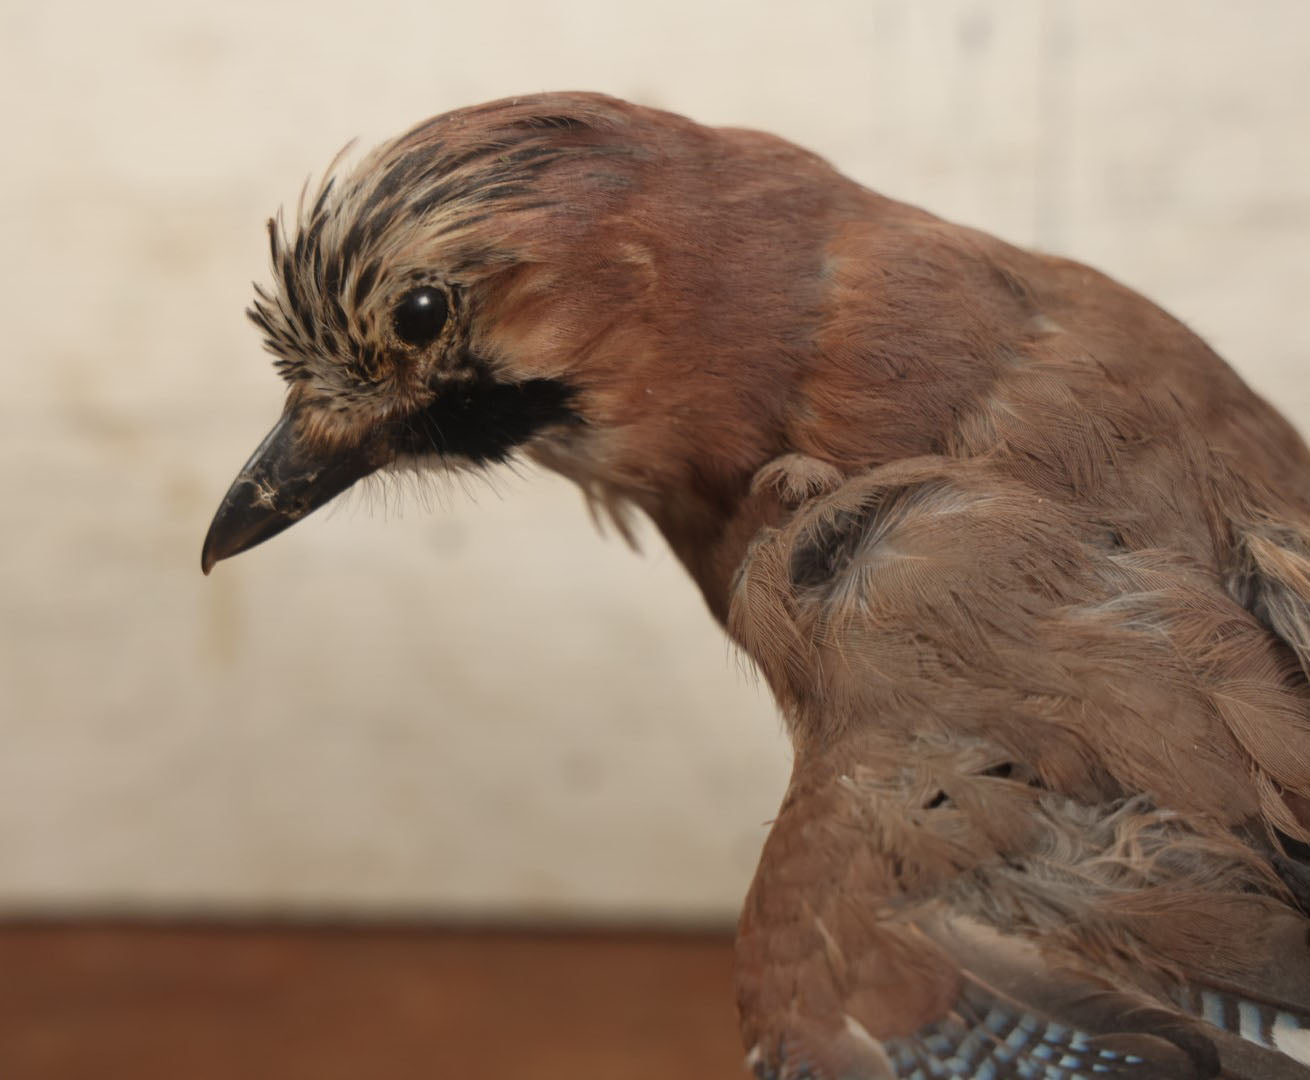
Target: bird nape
1026,565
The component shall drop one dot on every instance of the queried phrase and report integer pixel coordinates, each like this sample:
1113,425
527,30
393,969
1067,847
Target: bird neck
710,537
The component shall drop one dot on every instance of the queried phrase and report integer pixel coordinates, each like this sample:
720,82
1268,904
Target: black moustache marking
483,419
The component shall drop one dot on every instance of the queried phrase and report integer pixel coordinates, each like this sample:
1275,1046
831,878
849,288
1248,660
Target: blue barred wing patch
989,1039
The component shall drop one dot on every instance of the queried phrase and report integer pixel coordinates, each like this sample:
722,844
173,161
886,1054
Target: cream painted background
488,709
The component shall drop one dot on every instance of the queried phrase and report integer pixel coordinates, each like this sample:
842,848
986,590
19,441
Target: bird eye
420,315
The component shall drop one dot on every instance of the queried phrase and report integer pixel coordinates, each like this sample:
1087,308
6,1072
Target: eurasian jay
1026,565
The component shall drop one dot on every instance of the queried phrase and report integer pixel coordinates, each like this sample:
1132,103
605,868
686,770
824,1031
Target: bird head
615,292
652,308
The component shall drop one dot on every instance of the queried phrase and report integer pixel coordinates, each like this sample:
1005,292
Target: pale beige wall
488,708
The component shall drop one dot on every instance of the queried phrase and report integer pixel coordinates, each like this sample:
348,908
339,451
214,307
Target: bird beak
283,481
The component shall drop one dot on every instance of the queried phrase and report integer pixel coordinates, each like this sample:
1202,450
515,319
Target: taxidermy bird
1025,564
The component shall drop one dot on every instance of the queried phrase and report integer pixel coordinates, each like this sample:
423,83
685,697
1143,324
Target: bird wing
1039,781
935,916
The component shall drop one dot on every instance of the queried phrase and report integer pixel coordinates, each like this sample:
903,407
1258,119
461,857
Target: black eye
419,316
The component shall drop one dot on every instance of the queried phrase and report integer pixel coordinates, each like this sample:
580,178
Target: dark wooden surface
143,1002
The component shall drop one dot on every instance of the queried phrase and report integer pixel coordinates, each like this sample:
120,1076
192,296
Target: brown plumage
1026,565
